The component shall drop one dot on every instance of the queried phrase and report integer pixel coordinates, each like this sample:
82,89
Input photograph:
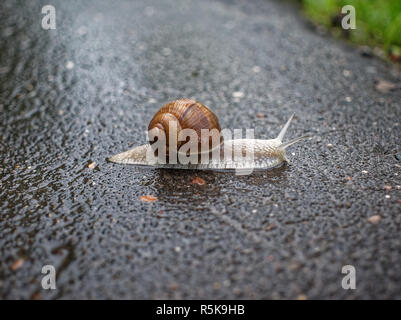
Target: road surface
71,97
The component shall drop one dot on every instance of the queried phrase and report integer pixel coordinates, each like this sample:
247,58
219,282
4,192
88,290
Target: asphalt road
87,90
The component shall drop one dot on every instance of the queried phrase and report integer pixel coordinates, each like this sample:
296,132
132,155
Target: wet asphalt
71,97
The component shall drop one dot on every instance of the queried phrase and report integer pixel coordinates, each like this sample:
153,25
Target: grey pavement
87,90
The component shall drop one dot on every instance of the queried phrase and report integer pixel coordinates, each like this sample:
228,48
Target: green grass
378,22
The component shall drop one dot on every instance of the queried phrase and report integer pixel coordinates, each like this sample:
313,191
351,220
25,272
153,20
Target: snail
209,152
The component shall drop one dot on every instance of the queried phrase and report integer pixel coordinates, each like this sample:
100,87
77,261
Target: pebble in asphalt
71,97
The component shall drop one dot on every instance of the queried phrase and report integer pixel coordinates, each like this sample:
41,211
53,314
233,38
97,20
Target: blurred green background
378,22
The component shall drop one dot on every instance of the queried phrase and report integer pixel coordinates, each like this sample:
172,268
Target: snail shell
185,114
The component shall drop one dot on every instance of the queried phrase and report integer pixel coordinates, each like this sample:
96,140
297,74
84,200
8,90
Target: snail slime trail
185,134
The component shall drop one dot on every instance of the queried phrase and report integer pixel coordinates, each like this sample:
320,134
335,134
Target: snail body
260,154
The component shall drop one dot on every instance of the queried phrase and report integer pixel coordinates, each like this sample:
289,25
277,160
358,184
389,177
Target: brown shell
187,113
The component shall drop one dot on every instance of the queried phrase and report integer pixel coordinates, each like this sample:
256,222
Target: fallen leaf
384,86
294,267
92,165
148,198
270,226
198,181
17,264
395,53
374,219
216,285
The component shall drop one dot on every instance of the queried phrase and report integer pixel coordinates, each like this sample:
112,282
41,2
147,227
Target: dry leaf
270,226
384,86
92,165
198,181
374,219
17,264
148,198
